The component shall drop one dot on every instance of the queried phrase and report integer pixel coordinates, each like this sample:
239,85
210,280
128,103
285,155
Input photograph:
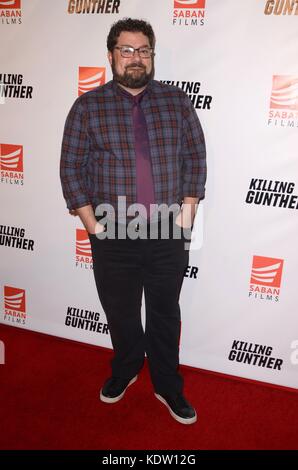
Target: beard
133,78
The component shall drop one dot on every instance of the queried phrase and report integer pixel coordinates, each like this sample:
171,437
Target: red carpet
49,400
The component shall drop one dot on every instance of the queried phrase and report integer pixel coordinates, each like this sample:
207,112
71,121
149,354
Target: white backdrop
241,57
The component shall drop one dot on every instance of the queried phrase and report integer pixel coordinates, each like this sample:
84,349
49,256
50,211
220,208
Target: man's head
131,68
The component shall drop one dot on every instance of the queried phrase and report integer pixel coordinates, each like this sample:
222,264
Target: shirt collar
122,92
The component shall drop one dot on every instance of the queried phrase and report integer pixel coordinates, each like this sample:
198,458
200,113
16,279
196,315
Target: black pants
122,269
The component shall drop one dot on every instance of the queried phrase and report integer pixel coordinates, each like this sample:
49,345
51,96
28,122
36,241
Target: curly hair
131,25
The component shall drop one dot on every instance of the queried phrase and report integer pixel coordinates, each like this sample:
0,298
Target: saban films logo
265,278
14,305
189,12
11,164
90,78
83,250
284,101
10,12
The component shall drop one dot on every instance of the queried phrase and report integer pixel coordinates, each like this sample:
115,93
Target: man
137,140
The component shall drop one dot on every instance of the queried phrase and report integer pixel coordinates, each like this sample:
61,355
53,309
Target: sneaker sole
174,415
118,398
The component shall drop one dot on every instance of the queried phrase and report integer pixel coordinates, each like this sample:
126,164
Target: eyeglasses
129,51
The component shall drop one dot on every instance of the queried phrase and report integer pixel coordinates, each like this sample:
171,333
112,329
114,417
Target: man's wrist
189,209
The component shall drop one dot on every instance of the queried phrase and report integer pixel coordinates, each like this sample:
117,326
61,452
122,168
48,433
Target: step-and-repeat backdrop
237,61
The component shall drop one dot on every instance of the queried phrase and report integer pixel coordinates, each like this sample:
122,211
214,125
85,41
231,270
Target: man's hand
186,216
88,219
99,228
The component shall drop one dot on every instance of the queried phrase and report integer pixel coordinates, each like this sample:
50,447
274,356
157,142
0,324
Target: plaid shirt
98,153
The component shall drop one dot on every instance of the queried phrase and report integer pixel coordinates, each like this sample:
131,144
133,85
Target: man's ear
110,57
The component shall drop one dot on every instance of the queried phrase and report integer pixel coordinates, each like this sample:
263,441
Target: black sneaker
115,388
179,408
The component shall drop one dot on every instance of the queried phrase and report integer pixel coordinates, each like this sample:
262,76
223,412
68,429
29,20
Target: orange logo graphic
266,271
11,157
189,3
14,299
90,78
83,247
6,4
284,93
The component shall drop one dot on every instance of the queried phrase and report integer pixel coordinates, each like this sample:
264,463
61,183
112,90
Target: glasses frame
134,50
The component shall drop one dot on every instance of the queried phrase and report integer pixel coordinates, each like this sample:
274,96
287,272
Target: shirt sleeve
74,158
194,168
